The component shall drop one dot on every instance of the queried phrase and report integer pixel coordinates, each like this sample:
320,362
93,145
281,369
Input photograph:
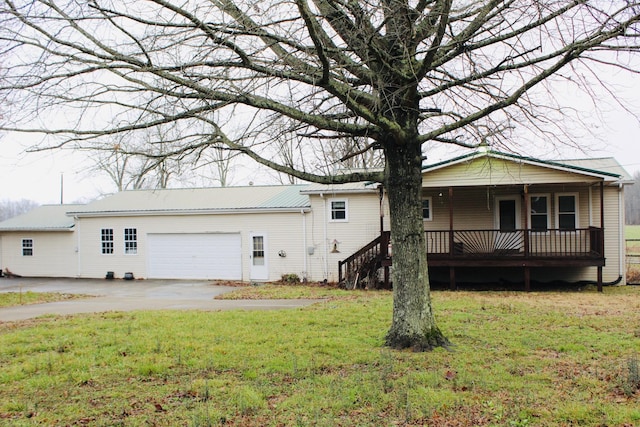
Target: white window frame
28,248
130,245
576,218
548,213
430,216
104,243
332,210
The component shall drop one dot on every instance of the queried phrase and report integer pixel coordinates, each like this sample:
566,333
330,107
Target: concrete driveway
122,295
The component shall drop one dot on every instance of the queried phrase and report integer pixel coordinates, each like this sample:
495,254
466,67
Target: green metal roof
199,200
42,218
604,167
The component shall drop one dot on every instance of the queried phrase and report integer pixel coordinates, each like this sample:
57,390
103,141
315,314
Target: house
509,217
492,216
41,242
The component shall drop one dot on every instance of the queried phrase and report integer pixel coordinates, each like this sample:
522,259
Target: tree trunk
413,324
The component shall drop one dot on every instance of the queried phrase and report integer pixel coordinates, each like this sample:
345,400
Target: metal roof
199,200
351,187
606,168
42,218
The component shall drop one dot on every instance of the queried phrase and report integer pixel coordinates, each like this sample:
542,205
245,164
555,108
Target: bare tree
396,75
11,208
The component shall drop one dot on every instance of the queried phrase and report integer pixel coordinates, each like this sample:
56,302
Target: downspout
304,245
622,255
78,251
324,226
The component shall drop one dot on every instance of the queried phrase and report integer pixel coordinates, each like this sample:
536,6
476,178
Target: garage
194,256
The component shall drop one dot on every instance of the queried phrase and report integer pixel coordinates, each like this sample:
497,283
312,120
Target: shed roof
199,200
42,218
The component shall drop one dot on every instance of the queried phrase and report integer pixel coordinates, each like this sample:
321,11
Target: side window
339,211
130,241
567,211
106,237
27,247
426,209
539,212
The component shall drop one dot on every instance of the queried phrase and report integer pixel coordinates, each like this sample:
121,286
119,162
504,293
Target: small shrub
290,279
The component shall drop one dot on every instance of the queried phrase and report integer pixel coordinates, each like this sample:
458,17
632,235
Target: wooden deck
486,248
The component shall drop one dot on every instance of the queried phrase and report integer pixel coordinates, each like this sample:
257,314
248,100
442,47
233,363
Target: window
130,241
426,209
258,250
107,240
539,212
339,210
567,211
27,247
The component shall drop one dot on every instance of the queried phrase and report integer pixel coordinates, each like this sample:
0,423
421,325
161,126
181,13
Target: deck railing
581,242
350,268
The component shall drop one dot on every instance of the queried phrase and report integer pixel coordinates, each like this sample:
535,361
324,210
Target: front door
258,255
508,223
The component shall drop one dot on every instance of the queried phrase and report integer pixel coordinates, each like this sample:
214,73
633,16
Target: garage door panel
195,256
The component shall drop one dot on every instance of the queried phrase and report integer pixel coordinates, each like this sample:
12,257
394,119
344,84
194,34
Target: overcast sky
37,176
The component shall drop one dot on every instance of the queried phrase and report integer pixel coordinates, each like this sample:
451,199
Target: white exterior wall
284,232
361,227
54,253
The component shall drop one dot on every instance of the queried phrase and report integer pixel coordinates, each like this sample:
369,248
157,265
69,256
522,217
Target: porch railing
368,257
581,242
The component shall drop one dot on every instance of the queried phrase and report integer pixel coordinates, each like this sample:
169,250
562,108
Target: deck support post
527,279
599,279
452,270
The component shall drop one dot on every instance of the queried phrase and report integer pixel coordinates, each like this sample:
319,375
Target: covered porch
520,233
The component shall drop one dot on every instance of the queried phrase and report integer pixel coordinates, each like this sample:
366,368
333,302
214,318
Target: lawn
8,299
632,231
518,359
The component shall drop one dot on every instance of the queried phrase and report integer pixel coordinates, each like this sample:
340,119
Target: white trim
576,196
548,196
258,272
430,200
125,241
331,210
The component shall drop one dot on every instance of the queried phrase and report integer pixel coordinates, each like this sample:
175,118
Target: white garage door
194,256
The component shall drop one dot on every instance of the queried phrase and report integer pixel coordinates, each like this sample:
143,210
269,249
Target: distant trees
632,201
11,208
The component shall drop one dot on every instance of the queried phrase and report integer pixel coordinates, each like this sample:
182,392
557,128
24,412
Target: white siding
53,254
491,171
363,225
284,232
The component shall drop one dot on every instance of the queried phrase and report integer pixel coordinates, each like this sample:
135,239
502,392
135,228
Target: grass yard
520,359
632,231
9,299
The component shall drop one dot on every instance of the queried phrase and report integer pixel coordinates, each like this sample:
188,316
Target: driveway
122,295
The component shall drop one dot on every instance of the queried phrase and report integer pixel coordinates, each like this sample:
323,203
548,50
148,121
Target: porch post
452,270
526,220
601,248
527,279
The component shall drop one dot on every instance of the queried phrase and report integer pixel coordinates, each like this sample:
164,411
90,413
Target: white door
258,256
194,256
509,236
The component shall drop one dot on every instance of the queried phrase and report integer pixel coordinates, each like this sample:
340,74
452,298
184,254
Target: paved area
122,295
